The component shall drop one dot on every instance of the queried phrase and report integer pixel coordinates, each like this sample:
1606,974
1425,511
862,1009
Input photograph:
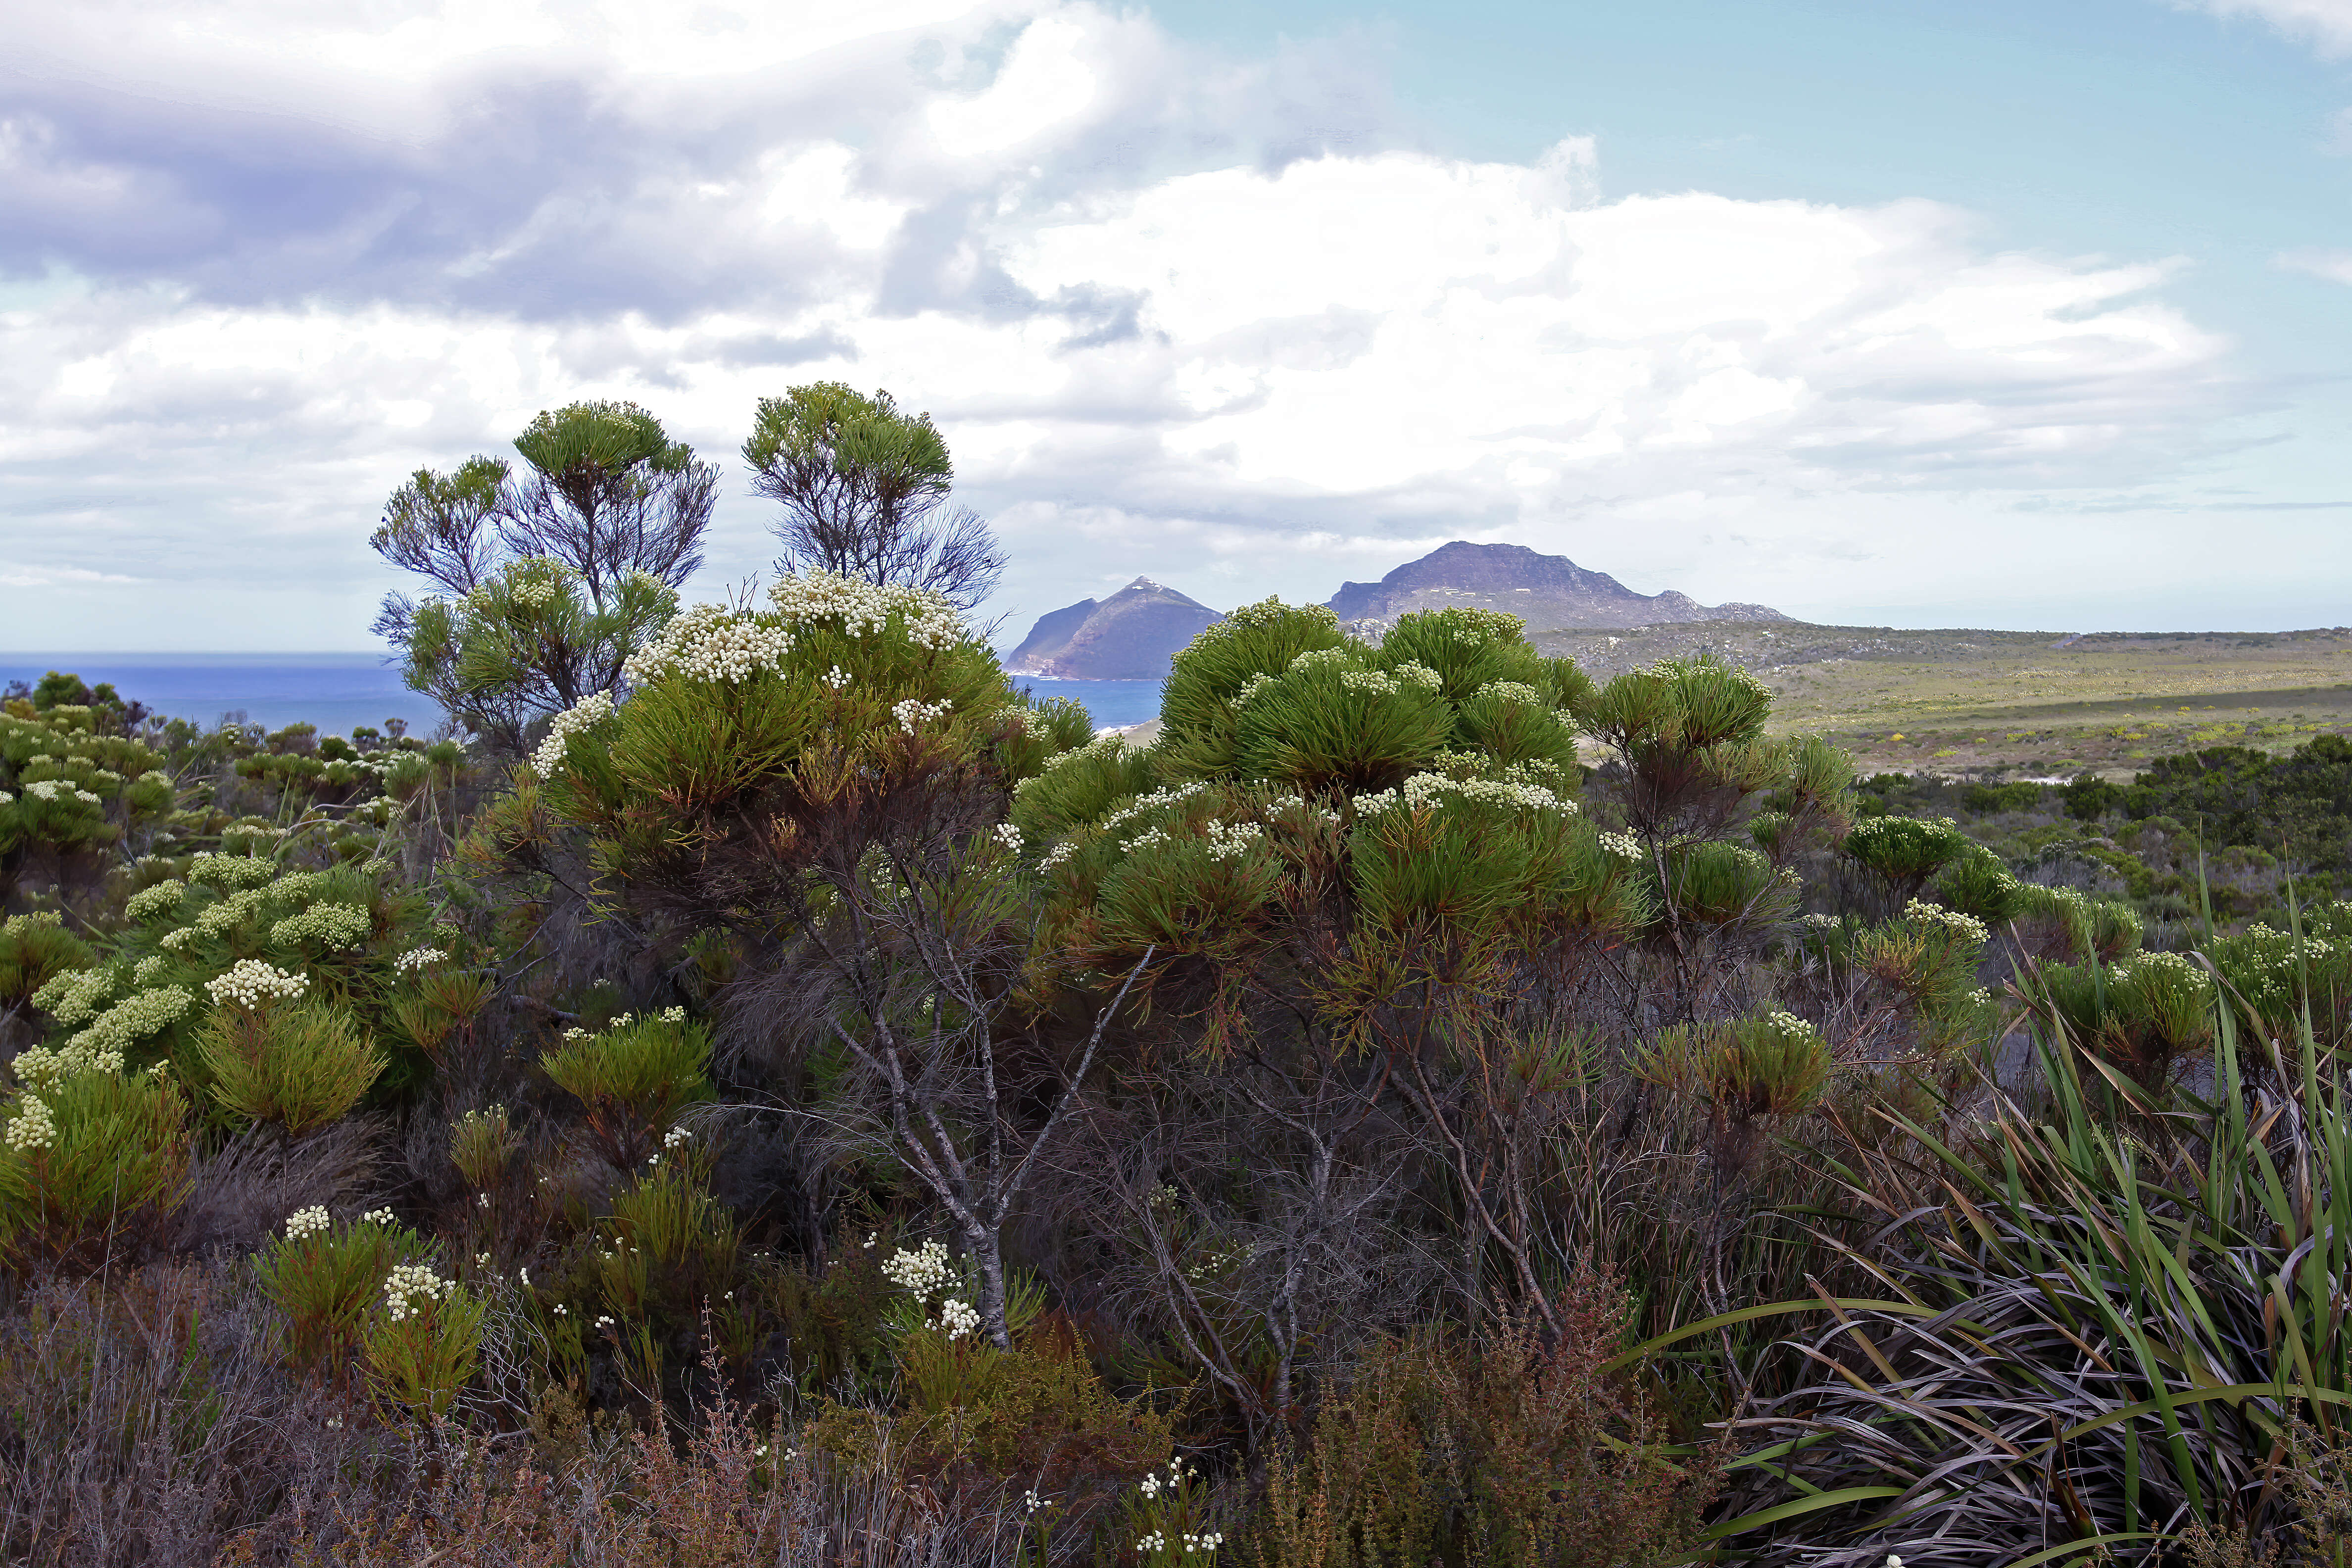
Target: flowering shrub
632,1079
422,1341
324,1277
91,1161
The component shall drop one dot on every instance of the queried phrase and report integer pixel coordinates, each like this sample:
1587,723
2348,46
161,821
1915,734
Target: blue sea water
338,691
1110,703
333,691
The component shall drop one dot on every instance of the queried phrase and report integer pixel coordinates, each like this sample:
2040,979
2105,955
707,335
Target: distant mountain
1129,636
1551,590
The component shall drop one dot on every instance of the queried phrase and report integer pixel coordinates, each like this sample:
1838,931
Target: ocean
338,691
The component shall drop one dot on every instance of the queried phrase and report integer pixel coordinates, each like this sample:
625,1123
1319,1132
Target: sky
1907,312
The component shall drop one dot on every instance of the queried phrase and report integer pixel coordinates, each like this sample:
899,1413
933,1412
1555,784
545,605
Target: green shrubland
760,1085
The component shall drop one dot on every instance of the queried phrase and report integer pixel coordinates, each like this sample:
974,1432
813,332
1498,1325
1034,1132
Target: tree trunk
987,1253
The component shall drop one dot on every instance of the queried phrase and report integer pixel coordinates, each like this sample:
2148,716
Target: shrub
323,1277
301,1064
422,1340
1904,852
90,1163
1502,1448
632,1079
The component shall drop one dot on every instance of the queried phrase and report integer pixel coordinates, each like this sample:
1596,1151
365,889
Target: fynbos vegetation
761,1088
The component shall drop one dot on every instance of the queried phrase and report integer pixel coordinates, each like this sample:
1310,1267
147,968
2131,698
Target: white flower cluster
1968,928
1107,743
1790,1027
305,1223
1624,846
228,873
249,979
912,713
55,789
538,591
1208,1541
384,1216
865,608
32,1127
2177,966
1151,1486
45,1066
173,940
1057,854
835,677
334,925
1428,792
710,642
548,756
411,1287
1370,680
1251,687
956,1317
1819,924
75,995
220,918
149,970
418,958
1283,805
1269,612
1143,805
1517,691
160,900
1009,836
921,1271
99,1048
1232,841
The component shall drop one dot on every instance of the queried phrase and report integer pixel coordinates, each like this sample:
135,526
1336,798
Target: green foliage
1977,884
1197,718
550,583
2299,805
1331,720
422,1342
301,1064
826,443
1766,1064
481,1145
1904,853
323,1277
36,948
631,1078
2142,1318
2285,978
2081,927
91,1161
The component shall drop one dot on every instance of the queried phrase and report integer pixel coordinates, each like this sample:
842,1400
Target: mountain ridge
1132,635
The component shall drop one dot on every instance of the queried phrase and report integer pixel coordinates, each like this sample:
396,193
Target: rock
1549,591
1130,635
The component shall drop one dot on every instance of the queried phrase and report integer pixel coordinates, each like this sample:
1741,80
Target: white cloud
1181,314
2324,24
2336,266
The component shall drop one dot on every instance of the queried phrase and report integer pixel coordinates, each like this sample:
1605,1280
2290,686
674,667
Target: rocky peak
1549,591
1130,635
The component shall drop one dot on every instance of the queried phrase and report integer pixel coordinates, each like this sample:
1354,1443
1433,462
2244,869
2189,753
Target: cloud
2324,24
1218,319
2336,266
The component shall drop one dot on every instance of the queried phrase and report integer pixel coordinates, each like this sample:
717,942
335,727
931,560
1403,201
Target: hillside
1129,636
1547,590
